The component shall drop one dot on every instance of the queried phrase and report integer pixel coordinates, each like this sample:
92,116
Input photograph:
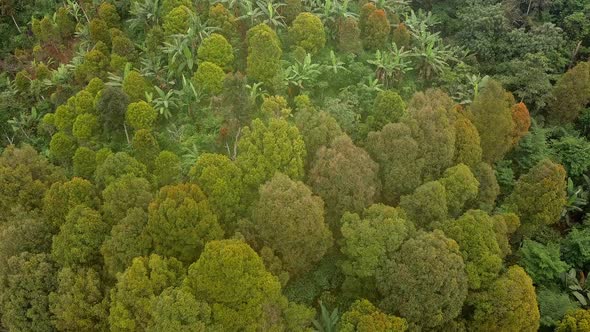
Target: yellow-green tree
264,54
363,316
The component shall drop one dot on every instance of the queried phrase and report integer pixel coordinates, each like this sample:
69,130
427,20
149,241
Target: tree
125,193
553,306
539,196
169,5
400,166
264,54
267,148
542,262
177,20
307,32
112,104
62,147
181,222
489,189
135,86
509,304
461,186
575,321
427,205
138,287
374,26
108,13
570,94
369,240
318,128
475,233
145,147
140,115
345,177
425,282
128,239
167,168
209,77
79,303
363,316
25,300
349,35
85,127
492,116
115,166
25,176
79,238
522,121
388,107
431,121
216,49
244,298
84,163
401,36
221,181
467,143
290,220
99,31
176,309
220,17
61,198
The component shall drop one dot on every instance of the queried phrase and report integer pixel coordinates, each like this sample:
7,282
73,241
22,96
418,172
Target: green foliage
290,220
475,233
177,20
108,13
399,165
84,163
573,153
85,127
539,195
24,178
264,54
135,86
231,278
140,115
168,5
209,77
145,147
508,305
389,107
460,187
467,143
64,117
425,282
61,198
427,205
221,181
492,117
167,168
345,177
112,105
363,316
25,300
318,128
124,193
115,166
79,302
575,321
542,262
307,32
176,309
570,94
138,287
79,238
99,31
267,148
553,305
368,242
181,222
575,248
216,49
66,26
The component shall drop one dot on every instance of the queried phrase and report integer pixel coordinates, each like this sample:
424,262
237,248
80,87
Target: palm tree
271,14
144,15
328,322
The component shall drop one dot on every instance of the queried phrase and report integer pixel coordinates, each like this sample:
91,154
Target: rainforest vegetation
294,165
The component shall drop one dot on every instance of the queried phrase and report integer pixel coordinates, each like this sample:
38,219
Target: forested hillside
294,165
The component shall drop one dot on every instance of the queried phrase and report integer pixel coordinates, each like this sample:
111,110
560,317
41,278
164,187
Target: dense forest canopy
294,165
